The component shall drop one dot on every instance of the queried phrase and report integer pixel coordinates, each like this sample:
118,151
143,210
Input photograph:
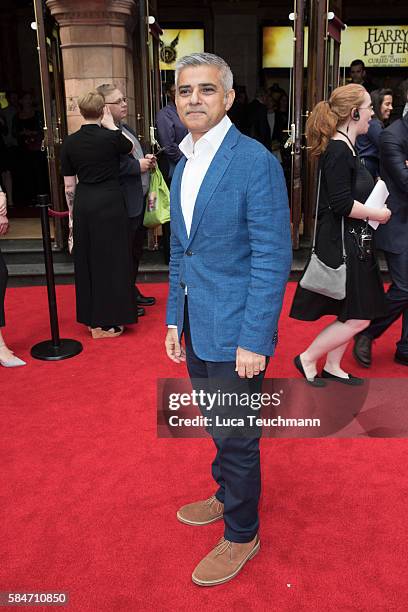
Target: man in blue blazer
229,264
392,238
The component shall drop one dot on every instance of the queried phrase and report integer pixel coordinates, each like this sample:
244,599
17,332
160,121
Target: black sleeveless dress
343,180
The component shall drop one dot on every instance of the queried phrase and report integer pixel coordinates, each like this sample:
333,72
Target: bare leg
331,338
333,360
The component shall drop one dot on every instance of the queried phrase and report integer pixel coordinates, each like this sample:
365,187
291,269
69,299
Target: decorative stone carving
93,12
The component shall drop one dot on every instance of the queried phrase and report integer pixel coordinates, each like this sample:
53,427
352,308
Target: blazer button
183,285
189,253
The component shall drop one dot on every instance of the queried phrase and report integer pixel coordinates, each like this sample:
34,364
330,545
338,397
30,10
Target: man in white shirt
229,263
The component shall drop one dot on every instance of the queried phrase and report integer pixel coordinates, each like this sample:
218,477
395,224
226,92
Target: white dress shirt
199,157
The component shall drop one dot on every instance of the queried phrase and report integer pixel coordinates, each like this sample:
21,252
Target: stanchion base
47,351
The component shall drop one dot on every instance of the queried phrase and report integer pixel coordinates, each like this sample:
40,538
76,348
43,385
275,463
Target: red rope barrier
56,213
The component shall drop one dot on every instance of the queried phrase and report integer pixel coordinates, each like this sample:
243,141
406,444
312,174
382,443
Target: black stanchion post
56,348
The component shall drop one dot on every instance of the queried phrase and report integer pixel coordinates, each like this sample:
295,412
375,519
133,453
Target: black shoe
314,382
141,300
140,311
351,380
362,350
400,358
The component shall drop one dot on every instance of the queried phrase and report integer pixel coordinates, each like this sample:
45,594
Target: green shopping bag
158,201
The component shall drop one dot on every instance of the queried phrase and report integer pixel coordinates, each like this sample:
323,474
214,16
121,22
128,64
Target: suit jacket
131,182
258,125
393,236
237,259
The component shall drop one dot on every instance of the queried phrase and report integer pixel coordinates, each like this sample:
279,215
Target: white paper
377,199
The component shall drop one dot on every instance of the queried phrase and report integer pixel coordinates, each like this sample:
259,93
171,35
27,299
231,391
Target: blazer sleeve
129,166
176,256
271,254
167,136
393,158
338,170
374,132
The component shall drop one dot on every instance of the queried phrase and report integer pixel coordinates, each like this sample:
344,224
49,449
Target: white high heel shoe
12,362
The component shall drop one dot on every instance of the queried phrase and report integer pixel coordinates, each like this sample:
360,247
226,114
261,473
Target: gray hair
207,59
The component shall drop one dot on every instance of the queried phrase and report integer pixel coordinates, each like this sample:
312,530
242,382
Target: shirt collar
213,137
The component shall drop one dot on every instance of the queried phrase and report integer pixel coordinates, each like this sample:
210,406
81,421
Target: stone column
96,45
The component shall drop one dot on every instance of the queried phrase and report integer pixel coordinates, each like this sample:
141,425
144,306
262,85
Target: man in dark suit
392,238
257,113
135,179
229,264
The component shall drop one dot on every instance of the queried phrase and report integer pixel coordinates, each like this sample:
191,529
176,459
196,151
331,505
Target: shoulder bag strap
315,223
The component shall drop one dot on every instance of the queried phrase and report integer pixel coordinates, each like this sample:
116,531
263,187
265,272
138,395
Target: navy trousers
397,301
236,467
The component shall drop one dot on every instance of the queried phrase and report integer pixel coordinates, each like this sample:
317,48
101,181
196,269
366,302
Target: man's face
357,74
201,100
117,104
172,93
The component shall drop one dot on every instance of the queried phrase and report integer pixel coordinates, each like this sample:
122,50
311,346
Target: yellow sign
379,46
176,43
278,47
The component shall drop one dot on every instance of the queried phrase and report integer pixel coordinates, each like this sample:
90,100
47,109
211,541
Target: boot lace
223,546
214,504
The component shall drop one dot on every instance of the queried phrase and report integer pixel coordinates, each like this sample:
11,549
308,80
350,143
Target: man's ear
229,99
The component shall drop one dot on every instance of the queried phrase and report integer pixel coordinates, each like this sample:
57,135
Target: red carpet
88,494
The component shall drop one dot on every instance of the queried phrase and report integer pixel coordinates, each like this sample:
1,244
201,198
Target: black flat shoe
314,382
351,380
143,300
400,358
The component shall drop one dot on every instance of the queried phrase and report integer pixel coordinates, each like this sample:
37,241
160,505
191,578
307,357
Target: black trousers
396,300
236,467
3,285
137,233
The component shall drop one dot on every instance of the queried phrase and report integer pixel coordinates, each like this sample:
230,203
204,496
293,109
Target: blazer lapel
215,172
175,200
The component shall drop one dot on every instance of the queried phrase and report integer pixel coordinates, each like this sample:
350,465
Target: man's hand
147,163
174,349
249,364
152,159
4,225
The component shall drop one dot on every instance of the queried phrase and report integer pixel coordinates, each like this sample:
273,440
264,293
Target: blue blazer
393,236
237,259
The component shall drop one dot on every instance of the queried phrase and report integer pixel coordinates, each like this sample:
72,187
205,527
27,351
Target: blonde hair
91,105
326,116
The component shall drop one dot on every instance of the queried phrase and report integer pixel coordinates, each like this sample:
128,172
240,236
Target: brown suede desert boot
224,562
202,512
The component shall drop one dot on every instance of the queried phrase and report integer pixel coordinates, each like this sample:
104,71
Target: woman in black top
104,294
331,131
